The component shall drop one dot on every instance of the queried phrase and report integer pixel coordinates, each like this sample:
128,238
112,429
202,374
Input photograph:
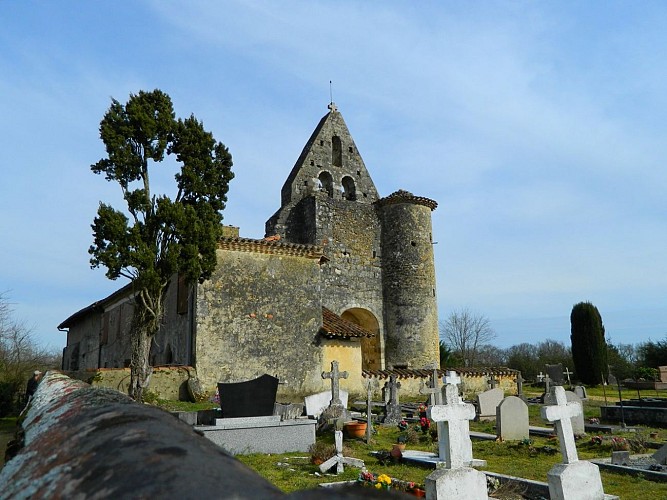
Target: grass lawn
294,471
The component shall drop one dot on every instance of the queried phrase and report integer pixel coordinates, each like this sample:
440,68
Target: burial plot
252,398
578,425
572,479
487,402
512,419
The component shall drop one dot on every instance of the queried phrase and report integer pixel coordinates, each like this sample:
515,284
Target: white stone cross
338,459
567,373
540,377
455,441
451,389
561,413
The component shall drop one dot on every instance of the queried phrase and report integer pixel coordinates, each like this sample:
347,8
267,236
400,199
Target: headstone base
463,482
576,481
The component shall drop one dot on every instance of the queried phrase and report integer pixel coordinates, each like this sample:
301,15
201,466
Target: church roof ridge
403,196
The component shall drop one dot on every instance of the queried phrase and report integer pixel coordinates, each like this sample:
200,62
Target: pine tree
589,349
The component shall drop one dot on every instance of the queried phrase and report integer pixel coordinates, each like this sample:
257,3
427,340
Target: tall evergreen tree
157,237
589,349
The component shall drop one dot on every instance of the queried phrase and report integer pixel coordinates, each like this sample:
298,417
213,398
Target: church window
321,143
336,152
349,190
350,149
327,183
359,173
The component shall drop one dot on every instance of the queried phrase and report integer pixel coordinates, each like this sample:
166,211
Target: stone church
342,274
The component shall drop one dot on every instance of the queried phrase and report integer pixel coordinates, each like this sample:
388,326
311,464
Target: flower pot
355,429
418,492
401,446
397,450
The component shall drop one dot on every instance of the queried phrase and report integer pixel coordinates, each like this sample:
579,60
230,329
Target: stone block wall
260,313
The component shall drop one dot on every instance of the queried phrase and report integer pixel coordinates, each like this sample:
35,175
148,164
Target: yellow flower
383,478
378,486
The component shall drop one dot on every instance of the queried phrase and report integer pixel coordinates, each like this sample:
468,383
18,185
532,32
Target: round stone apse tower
408,281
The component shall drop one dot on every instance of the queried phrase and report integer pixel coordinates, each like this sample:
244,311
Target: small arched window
326,181
336,152
349,189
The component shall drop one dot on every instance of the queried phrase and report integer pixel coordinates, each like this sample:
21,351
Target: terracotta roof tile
333,326
423,373
270,246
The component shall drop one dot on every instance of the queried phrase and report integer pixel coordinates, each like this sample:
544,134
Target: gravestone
519,386
660,456
512,419
492,383
317,403
662,373
457,479
252,398
393,408
487,402
572,479
555,373
578,425
434,392
288,411
580,391
336,409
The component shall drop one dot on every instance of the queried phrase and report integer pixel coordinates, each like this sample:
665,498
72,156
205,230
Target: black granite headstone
252,398
555,373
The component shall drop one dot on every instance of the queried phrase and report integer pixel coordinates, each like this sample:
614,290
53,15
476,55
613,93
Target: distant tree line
625,361
20,356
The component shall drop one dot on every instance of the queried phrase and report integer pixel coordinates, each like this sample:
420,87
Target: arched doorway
371,348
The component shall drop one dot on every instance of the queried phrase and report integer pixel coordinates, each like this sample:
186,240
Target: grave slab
575,481
267,437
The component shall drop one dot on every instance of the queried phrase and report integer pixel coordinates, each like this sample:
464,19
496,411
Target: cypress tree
589,349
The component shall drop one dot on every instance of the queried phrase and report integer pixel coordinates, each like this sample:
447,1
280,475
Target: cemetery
440,445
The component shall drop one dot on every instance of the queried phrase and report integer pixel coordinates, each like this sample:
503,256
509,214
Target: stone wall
260,313
83,442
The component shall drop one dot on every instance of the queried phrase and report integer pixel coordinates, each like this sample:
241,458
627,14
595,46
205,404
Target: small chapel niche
336,152
326,181
349,189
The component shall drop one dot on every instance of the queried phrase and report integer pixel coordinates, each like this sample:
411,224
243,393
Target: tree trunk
146,325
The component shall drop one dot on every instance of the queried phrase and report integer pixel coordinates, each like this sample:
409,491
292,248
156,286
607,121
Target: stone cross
435,398
567,373
547,383
369,419
432,389
454,415
493,383
561,413
338,459
540,377
451,389
519,385
335,375
393,407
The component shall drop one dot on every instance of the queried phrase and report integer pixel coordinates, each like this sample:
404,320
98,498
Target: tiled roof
333,326
269,246
402,196
424,373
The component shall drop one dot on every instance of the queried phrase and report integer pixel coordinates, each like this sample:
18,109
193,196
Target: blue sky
539,127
